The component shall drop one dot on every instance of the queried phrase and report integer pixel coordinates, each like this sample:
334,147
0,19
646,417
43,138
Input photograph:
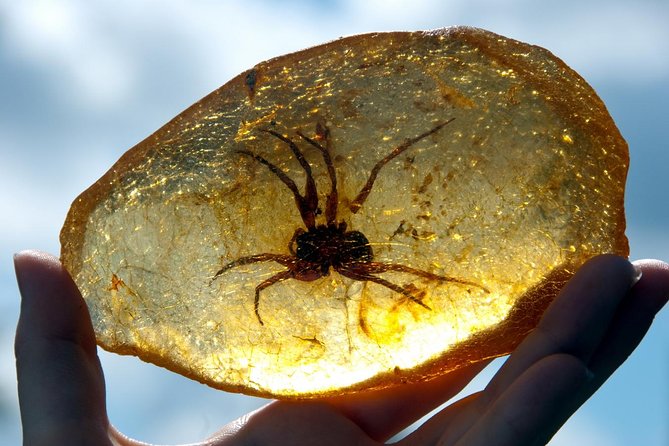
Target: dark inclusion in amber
314,227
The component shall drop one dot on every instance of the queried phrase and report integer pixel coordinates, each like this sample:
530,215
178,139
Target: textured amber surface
514,194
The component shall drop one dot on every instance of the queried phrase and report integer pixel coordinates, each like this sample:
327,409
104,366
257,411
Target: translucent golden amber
498,172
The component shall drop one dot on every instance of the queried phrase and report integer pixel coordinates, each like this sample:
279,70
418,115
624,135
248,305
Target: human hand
589,330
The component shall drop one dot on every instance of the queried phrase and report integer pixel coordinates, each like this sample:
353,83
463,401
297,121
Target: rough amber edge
527,311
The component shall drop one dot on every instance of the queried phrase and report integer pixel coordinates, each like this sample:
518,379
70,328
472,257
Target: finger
632,319
581,310
60,382
383,413
534,407
445,427
576,321
544,396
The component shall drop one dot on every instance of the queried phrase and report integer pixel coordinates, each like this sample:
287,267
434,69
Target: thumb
60,381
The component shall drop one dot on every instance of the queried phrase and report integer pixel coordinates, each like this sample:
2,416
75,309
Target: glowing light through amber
510,197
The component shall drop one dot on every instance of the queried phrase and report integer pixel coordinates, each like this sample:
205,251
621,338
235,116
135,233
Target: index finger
576,321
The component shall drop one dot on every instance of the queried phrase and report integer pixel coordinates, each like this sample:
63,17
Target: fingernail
19,274
637,274
24,273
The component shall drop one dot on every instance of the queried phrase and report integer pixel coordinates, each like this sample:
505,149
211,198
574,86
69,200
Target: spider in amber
323,246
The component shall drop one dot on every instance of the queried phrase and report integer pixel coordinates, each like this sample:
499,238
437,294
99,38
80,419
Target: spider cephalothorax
332,246
321,247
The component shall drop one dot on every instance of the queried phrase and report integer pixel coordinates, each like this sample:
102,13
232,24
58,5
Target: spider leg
285,260
309,205
307,213
357,203
380,267
365,276
333,197
284,275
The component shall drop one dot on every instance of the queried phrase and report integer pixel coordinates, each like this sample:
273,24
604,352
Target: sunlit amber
509,198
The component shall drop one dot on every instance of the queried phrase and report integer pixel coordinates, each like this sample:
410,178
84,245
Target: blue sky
81,82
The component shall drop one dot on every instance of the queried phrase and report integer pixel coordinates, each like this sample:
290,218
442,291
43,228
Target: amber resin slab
473,174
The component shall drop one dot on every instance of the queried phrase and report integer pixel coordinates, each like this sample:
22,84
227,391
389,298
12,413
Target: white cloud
97,46
614,40
32,208
67,42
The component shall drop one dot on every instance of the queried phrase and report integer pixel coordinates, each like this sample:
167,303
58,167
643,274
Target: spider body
330,246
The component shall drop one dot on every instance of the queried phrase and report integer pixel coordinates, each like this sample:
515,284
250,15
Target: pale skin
591,328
